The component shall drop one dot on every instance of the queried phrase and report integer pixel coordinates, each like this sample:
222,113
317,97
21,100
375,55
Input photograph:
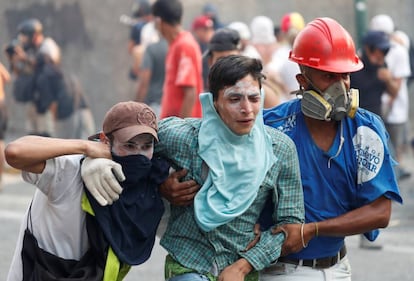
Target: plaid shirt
221,247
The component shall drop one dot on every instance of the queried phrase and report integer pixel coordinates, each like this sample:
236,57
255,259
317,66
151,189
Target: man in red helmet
346,168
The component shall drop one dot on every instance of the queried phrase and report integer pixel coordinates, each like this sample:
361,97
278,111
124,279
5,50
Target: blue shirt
135,33
334,185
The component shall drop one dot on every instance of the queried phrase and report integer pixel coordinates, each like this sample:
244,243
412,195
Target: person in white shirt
395,101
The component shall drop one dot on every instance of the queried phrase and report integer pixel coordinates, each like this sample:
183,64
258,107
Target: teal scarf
237,167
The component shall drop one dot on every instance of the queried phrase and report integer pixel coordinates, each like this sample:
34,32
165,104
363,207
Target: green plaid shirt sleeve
178,142
202,252
288,195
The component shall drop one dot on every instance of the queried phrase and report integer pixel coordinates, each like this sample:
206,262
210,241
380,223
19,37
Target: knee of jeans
189,277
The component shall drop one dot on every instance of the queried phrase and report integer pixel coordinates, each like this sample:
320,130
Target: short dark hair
230,69
224,39
141,8
169,11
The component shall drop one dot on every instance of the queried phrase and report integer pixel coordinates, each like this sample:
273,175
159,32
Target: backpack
51,85
23,87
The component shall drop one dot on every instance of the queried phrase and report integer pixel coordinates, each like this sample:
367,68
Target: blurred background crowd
103,52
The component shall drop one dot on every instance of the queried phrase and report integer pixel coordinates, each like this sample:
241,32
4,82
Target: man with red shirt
183,73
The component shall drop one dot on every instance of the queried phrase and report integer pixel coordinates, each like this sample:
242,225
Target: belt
320,263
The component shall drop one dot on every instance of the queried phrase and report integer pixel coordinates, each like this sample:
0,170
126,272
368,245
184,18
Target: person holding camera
39,82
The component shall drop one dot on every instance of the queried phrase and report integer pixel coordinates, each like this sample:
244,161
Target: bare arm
4,78
188,101
131,45
371,216
29,153
366,218
137,55
392,84
4,74
143,84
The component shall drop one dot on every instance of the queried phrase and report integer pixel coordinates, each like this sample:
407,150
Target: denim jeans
189,277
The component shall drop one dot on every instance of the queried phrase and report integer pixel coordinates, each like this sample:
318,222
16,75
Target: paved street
394,262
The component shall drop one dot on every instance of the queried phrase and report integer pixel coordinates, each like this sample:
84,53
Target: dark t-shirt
154,60
50,86
369,86
136,29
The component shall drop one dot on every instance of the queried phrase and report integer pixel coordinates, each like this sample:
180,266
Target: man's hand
293,240
236,271
97,149
101,178
384,74
176,192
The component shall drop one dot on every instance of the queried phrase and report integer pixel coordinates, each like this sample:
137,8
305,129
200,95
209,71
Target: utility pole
360,19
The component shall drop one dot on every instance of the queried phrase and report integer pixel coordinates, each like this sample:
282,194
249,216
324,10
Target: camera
19,62
10,48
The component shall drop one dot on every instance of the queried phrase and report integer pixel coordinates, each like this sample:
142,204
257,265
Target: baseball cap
292,21
262,30
209,9
377,39
382,23
224,39
202,22
241,28
128,119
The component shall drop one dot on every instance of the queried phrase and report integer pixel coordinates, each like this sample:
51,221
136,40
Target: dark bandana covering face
130,223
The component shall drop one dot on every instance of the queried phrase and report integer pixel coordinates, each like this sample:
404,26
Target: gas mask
333,104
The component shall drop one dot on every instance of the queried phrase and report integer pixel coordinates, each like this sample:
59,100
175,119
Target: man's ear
103,138
210,60
215,106
301,80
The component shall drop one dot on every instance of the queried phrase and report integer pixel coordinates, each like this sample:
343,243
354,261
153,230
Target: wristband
301,235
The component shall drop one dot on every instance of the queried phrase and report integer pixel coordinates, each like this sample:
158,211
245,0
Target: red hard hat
325,45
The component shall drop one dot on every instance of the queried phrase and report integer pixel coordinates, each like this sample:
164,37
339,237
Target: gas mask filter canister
333,104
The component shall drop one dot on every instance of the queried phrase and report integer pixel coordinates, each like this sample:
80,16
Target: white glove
101,177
